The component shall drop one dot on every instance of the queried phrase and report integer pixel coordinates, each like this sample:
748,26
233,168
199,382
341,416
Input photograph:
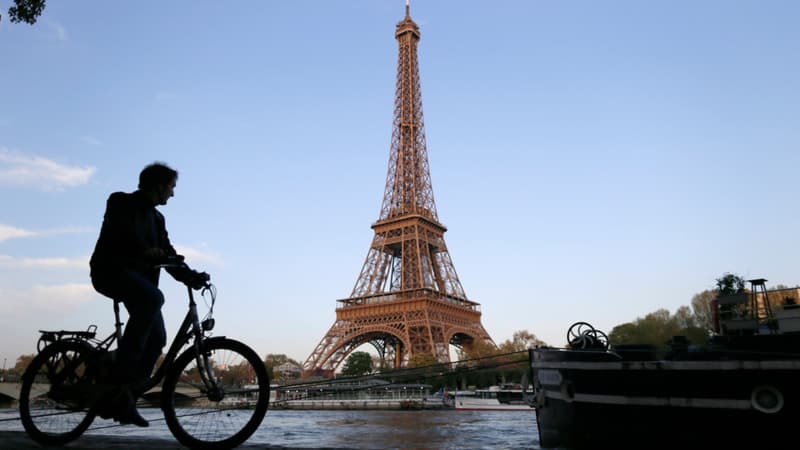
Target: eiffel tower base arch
399,326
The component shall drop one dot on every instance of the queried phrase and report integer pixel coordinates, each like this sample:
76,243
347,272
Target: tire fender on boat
767,399
567,391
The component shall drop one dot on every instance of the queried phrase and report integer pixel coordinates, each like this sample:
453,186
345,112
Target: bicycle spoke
53,397
225,413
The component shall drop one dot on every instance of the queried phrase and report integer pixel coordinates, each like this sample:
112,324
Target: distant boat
494,398
245,398
739,390
359,394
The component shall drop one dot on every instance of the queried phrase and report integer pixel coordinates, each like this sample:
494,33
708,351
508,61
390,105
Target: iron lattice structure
408,299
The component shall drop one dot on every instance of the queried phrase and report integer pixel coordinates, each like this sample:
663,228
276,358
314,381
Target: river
426,429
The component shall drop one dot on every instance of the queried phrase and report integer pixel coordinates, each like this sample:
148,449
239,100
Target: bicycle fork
214,391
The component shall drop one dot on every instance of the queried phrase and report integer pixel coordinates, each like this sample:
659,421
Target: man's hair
156,174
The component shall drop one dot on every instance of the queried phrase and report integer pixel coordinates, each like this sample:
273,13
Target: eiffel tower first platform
408,299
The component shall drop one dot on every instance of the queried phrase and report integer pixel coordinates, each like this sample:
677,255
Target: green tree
26,11
358,363
625,333
729,284
659,327
689,325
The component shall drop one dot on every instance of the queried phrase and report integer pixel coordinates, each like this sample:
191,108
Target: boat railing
760,311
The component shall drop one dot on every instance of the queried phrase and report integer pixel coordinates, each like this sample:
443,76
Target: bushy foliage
26,11
730,284
658,328
358,363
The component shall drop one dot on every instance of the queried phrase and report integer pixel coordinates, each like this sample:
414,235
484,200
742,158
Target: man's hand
198,280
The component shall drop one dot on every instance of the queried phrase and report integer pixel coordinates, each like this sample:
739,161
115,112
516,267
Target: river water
426,429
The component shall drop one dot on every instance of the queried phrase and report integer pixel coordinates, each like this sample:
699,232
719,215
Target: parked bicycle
215,390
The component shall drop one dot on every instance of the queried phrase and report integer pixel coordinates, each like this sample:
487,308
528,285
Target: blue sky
593,161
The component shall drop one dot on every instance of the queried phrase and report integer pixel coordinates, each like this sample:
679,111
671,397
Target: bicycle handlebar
201,279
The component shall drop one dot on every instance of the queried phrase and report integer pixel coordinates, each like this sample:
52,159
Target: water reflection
401,429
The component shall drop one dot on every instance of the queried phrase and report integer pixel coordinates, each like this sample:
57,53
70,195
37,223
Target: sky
592,160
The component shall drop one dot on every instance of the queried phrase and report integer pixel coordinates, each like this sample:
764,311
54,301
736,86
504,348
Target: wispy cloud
9,232
196,257
66,230
17,169
46,299
12,262
91,140
57,31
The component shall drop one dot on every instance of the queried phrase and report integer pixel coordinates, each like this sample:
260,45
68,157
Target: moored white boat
495,398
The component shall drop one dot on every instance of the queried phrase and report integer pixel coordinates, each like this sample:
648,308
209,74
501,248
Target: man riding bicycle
133,240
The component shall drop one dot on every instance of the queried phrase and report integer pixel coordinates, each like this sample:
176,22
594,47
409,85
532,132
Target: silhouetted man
132,241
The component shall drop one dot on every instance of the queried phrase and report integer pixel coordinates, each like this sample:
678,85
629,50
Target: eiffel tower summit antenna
407,300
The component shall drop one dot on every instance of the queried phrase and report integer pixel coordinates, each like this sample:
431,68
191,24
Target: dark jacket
131,225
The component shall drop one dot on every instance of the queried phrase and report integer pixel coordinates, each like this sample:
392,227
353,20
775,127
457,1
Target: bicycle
214,395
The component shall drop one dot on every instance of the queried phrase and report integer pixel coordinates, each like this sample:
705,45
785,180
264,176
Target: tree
422,360
478,348
702,309
271,361
729,284
521,341
26,11
624,334
658,328
358,363
239,374
22,363
688,324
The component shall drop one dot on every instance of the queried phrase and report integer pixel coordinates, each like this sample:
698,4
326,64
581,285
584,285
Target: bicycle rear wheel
53,402
218,418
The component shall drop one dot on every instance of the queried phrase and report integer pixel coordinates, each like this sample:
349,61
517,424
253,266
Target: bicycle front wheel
53,401
220,416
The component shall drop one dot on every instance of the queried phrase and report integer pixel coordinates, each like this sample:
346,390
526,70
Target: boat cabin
758,311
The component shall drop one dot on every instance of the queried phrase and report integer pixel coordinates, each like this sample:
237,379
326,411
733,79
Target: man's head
158,181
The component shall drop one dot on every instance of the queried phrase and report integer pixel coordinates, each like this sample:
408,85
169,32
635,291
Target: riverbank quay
19,440
360,404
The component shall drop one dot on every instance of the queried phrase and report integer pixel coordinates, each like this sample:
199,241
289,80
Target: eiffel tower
408,299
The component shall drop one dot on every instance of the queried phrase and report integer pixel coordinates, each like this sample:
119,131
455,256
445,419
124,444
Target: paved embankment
18,440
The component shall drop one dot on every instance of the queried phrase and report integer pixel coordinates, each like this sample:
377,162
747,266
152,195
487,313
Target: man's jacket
131,226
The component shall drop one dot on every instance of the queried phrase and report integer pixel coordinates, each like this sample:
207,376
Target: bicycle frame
191,328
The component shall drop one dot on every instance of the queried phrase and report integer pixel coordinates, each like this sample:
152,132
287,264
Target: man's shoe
126,412
132,416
